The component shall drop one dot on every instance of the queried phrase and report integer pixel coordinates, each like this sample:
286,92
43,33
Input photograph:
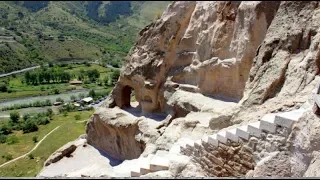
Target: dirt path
31,149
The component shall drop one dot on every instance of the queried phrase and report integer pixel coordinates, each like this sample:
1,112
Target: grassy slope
87,39
26,167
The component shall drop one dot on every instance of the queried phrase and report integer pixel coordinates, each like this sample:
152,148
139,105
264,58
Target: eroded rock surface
206,66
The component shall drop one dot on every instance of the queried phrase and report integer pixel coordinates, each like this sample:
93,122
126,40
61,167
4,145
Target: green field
69,130
19,89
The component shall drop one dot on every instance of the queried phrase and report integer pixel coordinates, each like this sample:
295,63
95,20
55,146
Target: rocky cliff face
211,65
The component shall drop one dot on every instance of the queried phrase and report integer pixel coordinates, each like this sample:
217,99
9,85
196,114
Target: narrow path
31,149
82,121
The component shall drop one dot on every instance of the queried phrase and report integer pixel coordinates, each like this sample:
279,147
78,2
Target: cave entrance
127,92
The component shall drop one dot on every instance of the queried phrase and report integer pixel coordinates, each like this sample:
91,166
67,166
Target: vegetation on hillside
42,31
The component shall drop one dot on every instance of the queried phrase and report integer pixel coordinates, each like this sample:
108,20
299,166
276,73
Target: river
65,96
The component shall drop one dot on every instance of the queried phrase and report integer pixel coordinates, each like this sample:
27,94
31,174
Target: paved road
19,71
35,67
31,149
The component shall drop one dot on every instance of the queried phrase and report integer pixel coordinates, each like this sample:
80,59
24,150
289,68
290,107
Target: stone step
175,149
205,140
231,134
159,163
221,136
287,119
254,129
188,87
267,123
186,144
145,165
162,153
213,140
242,132
135,172
197,143
190,145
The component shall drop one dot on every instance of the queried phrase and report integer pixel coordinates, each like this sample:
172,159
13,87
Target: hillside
42,31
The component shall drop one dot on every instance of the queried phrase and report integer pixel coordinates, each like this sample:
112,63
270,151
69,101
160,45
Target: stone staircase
157,162
268,123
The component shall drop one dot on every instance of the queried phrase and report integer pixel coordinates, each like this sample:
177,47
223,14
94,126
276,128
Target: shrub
30,156
12,139
49,112
3,138
3,87
56,91
8,157
65,113
48,102
35,139
29,126
14,116
59,99
77,117
43,121
92,93
73,97
5,130
26,116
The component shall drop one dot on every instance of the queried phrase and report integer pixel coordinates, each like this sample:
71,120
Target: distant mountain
32,32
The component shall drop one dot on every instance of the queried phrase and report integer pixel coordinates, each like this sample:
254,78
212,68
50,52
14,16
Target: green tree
93,75
3,87
26,116
92,93
14,116
4,130
29,126
115,75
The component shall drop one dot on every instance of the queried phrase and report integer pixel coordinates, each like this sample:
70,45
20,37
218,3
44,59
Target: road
31,149
19,71
35,67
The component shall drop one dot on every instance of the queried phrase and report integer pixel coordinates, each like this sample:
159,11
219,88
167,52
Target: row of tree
44,76
57,75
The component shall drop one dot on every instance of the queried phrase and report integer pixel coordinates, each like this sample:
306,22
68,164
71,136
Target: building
87,99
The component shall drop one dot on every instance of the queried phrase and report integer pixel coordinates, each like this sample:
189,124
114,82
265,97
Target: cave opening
127,92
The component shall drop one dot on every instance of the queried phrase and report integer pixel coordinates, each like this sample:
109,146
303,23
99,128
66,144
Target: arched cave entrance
126,96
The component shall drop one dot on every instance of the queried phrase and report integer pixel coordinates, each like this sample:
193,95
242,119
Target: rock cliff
206,66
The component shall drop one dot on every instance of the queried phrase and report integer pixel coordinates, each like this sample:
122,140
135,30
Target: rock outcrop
113,132
206,66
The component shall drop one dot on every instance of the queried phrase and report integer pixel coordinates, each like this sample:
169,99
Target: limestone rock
113,131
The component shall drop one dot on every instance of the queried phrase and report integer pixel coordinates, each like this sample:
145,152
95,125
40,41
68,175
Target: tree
26,116
93,75
14,116
5,130
3,87
29,126
56,91
49,112
115,75
92,93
